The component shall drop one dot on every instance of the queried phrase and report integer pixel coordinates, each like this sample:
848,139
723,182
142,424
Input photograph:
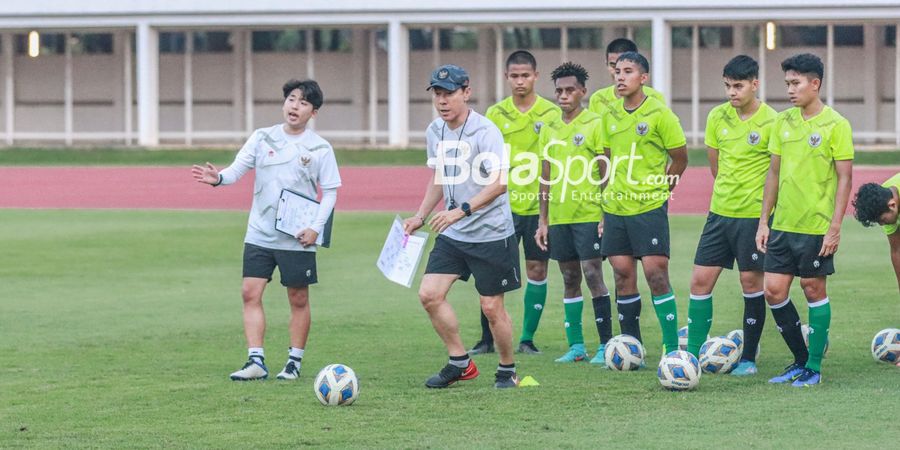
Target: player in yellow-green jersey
737,139
876,204
570,205
641,134
601,99
520,118
808,184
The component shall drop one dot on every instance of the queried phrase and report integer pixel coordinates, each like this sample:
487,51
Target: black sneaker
481,348
528,347
451,374
505,379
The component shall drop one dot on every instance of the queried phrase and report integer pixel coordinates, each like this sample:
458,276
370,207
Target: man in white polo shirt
285,156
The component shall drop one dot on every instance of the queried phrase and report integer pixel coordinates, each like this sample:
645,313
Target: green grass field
223,156
120,329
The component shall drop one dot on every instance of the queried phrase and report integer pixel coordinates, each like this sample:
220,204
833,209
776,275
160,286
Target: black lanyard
462,130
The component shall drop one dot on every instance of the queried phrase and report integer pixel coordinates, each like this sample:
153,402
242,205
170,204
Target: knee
571,277
537,273
430,298
492,309
251,295
775,294
658,280
299,300
813,290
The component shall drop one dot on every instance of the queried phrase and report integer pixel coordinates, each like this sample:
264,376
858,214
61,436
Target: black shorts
297,268
574,242
494,264
797,254
645,234
726,239
526,227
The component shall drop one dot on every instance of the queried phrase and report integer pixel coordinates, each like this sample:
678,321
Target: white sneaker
291,370
252,370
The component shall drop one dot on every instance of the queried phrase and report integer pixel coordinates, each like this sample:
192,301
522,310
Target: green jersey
572,150
602,99
743,159
892,182
638,182
807,182
521,131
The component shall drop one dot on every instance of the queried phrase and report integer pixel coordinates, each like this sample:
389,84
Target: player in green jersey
879,205
808,184
570,208
737,139
603,98
520,118
641,134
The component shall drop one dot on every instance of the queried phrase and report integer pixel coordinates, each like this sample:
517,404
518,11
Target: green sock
700,311
574,307
668,319
535,298
819,321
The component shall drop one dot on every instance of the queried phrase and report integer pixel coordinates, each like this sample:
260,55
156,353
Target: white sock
256,352
295,353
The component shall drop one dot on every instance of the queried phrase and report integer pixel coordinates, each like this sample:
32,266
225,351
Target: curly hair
871,202
570,69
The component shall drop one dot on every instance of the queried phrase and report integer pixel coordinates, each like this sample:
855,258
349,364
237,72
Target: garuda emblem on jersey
815,140
642,128
578,139
753,138
537,127
305,160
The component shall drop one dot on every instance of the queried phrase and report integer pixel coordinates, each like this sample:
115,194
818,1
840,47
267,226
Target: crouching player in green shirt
809,185
737,138
570,205
879,205
640,135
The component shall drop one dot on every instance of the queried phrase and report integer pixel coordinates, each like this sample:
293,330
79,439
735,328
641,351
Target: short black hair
570,69
804,64
621,45
741,67
310,90
521,57
636,58
871,202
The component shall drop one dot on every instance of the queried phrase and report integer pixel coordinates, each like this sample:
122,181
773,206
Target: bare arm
713,155
770,196
844,184
894,240
540,236
676,167
433,194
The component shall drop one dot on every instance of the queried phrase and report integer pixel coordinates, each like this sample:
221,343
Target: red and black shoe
451,374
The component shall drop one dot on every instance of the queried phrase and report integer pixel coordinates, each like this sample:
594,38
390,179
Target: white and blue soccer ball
719,355
336,385
679,371
624,352
805,329
886,345
738,337
683,338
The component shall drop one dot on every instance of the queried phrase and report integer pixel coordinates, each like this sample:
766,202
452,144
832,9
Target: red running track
394,189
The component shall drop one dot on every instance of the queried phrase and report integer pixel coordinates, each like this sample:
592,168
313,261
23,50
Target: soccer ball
683,338
335,385
805,329
886,345
719,355
679,371
738,337
624,352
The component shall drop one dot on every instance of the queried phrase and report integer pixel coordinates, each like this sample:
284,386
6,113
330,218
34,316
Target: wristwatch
466,209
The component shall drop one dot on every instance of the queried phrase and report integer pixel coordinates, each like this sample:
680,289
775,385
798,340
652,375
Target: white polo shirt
301,163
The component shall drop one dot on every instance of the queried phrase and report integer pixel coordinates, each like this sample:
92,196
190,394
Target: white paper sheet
401,254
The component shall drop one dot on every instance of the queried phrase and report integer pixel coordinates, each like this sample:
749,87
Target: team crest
537,127
642,128
305,160
753,138
816,264
815,140
578,139
443,74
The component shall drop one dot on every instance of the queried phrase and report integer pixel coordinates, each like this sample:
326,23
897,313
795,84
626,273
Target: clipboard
297,212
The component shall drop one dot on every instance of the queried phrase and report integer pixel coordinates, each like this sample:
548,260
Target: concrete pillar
870,87
67,89
9,88
188,87
148,85
661,64
695,85
359,66
398,84
484,66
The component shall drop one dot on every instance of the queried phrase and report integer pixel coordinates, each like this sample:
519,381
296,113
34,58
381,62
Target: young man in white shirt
284,156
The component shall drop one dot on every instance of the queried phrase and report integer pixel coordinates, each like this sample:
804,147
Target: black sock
603,317
507,368
460,361
486,335
629,307
788,322
754,320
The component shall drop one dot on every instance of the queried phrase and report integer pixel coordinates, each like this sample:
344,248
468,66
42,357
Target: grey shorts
495,264
726,239
574,242
797,254
645,234
297,268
